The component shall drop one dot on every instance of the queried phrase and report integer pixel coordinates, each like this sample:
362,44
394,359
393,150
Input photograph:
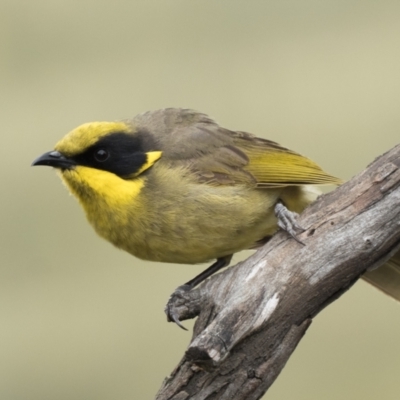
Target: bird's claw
174,302
287,220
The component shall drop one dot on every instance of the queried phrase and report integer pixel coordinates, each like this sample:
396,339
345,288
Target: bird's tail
387,277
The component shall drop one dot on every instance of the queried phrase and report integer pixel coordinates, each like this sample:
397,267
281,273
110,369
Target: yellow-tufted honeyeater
173,186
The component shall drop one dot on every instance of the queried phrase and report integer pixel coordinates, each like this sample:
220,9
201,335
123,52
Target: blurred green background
81,320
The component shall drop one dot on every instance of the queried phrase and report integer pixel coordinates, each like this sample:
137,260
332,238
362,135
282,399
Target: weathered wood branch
252,316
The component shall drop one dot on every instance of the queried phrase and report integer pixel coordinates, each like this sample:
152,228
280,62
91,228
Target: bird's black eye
101,155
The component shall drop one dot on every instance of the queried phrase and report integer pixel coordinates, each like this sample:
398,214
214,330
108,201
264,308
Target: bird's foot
177,299
287,220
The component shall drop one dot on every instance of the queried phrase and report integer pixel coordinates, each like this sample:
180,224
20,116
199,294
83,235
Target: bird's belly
195,228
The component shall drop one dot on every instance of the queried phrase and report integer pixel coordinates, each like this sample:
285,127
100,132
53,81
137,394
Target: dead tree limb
252,316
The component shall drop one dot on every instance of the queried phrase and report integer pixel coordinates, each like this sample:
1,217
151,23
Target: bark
252,316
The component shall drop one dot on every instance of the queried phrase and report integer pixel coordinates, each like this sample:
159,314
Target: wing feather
273,165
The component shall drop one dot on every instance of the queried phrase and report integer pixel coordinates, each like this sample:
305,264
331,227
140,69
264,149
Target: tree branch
252,316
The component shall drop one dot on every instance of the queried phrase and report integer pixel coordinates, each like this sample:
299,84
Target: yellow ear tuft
151,158
88,134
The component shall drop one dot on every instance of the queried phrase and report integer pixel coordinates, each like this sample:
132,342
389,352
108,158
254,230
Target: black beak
54,159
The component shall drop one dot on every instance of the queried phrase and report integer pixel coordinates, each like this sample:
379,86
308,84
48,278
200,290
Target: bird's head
115,147
100,157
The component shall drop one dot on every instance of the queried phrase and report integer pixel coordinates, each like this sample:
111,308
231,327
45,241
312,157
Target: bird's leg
287,220
178,297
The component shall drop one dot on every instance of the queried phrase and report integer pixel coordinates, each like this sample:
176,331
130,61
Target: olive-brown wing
219,156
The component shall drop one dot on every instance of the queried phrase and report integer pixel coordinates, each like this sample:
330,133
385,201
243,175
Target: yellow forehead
87,135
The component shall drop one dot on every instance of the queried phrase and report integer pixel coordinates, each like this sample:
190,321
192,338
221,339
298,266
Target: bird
173,186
